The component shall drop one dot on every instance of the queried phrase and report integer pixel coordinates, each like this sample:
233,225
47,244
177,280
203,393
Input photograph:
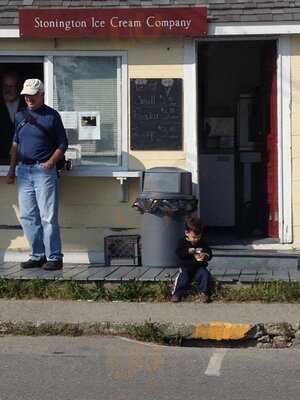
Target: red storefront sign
114,22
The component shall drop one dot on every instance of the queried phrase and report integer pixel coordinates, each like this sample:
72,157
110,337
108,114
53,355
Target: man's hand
48,164
56,156
10,177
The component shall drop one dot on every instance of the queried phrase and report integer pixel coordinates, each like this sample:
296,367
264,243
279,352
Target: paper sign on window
89,125
69,119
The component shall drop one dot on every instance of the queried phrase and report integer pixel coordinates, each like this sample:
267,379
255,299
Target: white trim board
9,33
218,29
248,28
190,110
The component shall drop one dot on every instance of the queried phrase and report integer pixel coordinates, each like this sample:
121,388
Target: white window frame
47,59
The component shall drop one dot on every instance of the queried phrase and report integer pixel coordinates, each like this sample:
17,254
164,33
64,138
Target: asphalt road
90,368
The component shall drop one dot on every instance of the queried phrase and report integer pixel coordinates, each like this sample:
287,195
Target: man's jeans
38,202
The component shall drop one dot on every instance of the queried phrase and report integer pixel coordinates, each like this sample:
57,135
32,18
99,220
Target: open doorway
237,138
12,76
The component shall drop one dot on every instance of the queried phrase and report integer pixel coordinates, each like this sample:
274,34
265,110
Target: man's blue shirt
42,133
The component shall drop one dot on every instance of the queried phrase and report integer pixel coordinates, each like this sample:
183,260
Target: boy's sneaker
33,263
53,265
202,298
175,299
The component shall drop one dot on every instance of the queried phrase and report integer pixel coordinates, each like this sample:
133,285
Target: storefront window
86,93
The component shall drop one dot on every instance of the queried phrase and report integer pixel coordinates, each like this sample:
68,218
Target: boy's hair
194,224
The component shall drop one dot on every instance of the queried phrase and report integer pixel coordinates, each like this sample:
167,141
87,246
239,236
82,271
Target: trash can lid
167,169
162,182
165,196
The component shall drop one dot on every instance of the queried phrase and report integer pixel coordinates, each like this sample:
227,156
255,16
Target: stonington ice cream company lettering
118,22
114,22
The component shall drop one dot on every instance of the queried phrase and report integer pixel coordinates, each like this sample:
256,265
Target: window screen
86,93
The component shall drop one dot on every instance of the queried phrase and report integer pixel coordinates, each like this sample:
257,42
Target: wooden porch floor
99,272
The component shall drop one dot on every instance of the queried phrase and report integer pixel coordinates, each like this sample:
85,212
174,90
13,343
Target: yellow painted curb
219,330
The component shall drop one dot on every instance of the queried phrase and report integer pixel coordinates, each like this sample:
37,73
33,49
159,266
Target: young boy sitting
193,254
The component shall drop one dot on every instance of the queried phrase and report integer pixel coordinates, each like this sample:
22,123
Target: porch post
284,140
190,111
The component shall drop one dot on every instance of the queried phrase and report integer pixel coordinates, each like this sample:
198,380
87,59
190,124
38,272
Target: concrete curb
256,324
270,335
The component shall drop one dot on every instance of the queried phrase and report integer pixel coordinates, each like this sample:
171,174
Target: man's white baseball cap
32,86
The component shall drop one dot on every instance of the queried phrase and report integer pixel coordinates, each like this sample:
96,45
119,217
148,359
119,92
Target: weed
152,332
132,291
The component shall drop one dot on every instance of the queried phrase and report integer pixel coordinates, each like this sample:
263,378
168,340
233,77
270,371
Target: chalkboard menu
156,114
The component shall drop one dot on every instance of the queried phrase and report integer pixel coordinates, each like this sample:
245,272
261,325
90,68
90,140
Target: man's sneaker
53,265
175,299
33,263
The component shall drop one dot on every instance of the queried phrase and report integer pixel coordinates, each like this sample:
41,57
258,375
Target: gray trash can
165,199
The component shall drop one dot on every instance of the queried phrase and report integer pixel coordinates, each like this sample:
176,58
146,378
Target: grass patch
277,291
268,292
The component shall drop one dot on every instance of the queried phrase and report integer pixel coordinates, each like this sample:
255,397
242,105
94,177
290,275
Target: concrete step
256,259
247,266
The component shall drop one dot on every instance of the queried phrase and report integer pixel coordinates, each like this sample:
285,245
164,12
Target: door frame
284,152
284,128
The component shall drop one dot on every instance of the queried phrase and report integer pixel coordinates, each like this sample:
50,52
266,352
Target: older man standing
11,103
39,143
